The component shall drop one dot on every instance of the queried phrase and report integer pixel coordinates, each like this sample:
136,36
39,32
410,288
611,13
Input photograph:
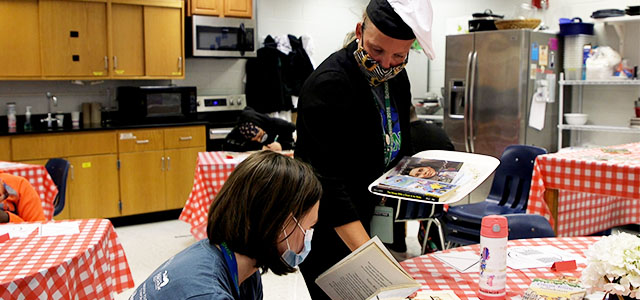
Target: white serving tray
478,165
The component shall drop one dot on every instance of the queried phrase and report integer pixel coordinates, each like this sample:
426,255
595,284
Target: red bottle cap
494,226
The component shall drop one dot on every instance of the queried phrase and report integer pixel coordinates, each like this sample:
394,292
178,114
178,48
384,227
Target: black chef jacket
340,135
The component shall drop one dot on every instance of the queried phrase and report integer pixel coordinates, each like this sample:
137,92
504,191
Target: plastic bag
601,63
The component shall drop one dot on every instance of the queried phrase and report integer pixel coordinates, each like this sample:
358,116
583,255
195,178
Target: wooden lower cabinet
142,184
5,148
179,175
92,187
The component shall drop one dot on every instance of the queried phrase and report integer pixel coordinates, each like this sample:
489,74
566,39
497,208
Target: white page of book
528,257
366,272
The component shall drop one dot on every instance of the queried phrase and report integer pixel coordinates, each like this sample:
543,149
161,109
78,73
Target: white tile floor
149,245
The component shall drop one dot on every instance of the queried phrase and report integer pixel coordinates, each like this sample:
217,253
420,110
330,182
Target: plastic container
27,118
637,108
493,258
11,116
576,26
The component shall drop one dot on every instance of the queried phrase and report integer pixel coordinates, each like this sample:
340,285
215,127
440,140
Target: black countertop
40,128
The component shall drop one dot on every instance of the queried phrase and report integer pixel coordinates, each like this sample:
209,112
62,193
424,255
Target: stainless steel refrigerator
490,81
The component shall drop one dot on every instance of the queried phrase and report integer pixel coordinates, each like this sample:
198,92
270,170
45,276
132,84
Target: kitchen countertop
67,128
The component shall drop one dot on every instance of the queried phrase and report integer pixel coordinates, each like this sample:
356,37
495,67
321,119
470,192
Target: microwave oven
209,36
149,104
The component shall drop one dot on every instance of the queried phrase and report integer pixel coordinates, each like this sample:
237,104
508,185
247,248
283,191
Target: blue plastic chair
528,226
58,169
509,194
521,226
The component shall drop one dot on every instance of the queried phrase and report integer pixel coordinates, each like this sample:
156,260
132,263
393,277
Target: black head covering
388,21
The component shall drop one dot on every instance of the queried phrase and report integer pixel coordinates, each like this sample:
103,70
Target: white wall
70,96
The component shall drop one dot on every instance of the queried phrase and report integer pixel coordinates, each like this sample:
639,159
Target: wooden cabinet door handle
142,142
186,138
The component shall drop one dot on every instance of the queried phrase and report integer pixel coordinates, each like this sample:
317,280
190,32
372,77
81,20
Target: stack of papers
523,257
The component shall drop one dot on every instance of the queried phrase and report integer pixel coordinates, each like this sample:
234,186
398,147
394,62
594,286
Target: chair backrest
527,226
58,169
512,179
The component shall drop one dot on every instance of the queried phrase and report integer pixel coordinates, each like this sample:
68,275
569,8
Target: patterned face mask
249,131
372,70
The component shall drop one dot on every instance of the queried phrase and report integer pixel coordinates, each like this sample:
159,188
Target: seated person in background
257,131
267,226
427,136
19,201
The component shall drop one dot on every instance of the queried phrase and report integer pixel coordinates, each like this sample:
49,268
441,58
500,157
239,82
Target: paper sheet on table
529,257
18,230
442,295
64,228
463,262
234,158
537,113
6,165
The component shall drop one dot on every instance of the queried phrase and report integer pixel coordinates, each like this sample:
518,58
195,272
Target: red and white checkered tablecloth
39,179
212,171
88,265
433,274
597,190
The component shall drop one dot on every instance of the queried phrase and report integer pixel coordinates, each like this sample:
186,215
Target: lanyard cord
388,132
232,264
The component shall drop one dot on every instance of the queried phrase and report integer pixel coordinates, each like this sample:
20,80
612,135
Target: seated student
257,131
19,201
262,218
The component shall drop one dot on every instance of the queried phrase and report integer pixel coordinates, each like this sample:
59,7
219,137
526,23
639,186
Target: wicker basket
517,24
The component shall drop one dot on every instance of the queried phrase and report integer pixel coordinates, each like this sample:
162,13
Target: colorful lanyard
386,136
230,259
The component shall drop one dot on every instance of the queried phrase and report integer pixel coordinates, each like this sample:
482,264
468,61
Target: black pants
327,248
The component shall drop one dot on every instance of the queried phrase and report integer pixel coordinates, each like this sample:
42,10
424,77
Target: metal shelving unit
580,84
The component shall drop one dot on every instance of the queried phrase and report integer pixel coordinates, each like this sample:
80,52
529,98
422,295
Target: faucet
50,99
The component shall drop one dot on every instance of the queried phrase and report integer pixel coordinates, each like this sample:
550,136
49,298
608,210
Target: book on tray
423,179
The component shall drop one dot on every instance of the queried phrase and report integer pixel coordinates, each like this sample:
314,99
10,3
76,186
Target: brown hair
256,202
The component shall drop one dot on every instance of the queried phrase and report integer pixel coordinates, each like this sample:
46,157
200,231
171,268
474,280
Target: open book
368,272
422,178
453,175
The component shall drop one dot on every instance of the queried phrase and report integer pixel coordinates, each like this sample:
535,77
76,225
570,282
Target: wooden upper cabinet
163,42
205,7
222,8
74,39
127,32
20,38
238,8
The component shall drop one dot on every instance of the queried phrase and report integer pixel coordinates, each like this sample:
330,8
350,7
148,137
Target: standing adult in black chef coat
353,124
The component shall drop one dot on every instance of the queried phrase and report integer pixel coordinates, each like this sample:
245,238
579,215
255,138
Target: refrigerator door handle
471,88
467,80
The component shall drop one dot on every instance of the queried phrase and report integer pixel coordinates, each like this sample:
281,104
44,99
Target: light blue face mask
294,259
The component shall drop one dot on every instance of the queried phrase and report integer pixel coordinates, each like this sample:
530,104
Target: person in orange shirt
19,201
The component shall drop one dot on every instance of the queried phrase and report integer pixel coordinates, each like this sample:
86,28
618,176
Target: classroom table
587,191
90,264
212,170
433,274
39,179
